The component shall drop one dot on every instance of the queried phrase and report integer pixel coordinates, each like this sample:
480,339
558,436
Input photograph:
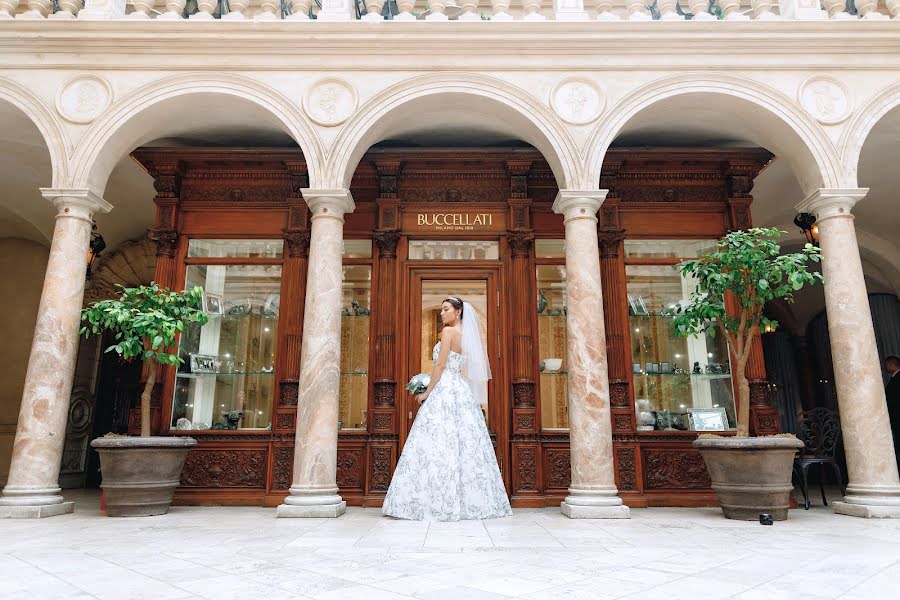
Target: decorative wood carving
289,393
525,421
350,468
166,242
609,242
224,468
382,421
285,421
520,243
387,243
297,243
559,468
523,394
674,468
282,470
526,468
618,394
622,421
380,475
384,393
626,468
646,193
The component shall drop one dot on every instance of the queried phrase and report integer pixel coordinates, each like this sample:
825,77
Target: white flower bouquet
418,384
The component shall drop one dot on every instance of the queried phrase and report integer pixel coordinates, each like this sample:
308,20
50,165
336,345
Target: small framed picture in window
707,419
212,304
665,368
653,368
636,368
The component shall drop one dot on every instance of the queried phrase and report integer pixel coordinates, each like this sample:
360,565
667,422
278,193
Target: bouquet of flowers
418,384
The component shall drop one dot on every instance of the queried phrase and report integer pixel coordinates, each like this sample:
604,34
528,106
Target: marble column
314,491
32,490
593,493
874,485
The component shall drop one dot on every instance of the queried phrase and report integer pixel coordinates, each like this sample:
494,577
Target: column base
322,511
577,511
312,504
36,512
866,511
601,503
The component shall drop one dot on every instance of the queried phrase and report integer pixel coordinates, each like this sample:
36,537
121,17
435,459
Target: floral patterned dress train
448,470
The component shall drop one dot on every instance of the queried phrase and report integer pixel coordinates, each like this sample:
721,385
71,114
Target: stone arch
121,128
533,121
799,139
44,119
861,126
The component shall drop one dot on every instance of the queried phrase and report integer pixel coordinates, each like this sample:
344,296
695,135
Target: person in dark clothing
892,392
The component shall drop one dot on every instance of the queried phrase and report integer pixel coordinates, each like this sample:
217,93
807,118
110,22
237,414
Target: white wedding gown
448,470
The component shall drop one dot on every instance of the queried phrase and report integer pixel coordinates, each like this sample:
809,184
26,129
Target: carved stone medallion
84,98
826,99
330,101
577,101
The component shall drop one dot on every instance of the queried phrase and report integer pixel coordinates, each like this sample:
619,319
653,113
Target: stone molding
329,203
76,203
579,204
830,203
861,124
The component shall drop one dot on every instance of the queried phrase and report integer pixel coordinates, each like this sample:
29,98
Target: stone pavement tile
461,593
691,588
883,584
589,588
508,584
805,585
450,540
396,540
233,587
416,585
361,592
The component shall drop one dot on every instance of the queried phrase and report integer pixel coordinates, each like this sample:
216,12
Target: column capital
329,202
76,202
827,203
579,204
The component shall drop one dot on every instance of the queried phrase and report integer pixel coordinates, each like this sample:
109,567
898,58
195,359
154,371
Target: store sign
454,221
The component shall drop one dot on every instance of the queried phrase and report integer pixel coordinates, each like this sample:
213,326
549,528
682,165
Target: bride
448,470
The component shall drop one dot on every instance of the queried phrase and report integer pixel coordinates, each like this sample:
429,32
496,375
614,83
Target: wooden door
480,286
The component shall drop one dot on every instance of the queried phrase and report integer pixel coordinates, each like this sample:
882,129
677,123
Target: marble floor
240,552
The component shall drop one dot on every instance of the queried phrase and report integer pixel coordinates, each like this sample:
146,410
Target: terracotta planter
751,475
140,474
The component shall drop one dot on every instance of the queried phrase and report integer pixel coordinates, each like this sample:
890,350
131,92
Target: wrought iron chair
820,431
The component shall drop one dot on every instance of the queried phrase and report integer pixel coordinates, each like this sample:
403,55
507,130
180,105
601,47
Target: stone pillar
32,490
874,487
593,493
314,491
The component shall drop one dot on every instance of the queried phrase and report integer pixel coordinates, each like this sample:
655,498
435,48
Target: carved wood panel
224,468
350,466
626,468
282,469
381,468
557,468
668,468
525,461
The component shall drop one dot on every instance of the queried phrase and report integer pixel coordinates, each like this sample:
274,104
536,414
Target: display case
680,383
227,379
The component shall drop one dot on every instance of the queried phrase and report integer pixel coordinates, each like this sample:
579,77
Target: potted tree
140,474
751,475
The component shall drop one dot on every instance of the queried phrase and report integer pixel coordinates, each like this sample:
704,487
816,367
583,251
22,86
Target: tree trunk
145,398
743,416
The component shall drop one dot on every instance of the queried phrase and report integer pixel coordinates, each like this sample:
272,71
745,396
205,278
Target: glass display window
227,380
552,336
355,332
454,250
680,383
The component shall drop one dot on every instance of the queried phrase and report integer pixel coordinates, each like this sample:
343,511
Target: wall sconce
95,247
807,224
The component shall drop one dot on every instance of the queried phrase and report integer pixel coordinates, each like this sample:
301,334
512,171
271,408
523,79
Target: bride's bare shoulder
450,337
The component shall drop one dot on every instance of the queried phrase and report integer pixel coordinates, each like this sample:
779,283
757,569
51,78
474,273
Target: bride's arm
439,365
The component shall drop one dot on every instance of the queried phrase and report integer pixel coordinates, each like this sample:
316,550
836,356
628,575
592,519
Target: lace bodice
454,359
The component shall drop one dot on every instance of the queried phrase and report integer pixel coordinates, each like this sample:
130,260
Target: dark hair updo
455,303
